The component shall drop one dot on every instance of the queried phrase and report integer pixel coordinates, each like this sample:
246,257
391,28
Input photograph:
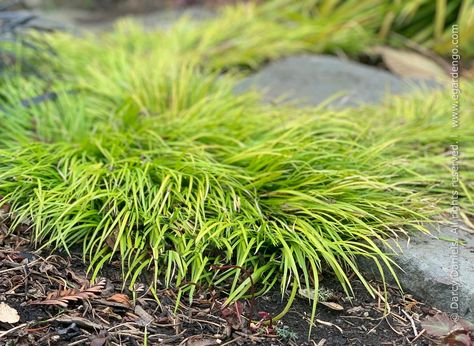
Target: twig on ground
79,342
412,323
374,327
82,322
418,336
2,334
19,266
392,328
329,324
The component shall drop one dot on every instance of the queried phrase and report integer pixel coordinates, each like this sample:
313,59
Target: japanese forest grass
148,156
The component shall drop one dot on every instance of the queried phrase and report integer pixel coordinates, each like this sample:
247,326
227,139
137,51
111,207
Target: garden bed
203,216
113,317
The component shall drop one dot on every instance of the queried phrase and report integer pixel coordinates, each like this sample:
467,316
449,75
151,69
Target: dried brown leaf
451,332
145,317
201,340
410,64
332,306
233,315
459,339
120,298
356,310
439,325
100,340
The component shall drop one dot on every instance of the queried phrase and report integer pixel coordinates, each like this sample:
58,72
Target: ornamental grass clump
147,155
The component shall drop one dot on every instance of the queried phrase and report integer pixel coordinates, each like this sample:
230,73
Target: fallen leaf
449,331
459,338
439,325
466,325
307,293
323,296
112,304
200,340
145,317
233,315
356,310
332,306
8,314
410,64
100,340
120,298
47,267
4,208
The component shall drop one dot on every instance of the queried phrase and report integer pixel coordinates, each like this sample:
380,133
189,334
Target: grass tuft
147,156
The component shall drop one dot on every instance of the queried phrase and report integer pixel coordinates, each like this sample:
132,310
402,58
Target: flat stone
313,79
437,270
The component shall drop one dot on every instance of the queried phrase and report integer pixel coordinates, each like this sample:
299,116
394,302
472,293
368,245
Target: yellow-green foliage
148,154
425,22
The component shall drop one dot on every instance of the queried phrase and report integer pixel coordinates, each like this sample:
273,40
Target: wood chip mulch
48,299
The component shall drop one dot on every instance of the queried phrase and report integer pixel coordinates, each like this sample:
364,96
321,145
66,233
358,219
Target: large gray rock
436,269
311,80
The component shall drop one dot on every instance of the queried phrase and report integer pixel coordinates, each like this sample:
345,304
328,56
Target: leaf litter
49,301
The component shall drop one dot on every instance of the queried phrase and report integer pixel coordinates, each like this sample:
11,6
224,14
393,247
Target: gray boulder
312,80
438,268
